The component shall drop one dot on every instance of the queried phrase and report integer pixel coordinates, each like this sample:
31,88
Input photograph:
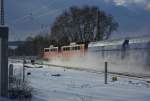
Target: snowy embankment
75,85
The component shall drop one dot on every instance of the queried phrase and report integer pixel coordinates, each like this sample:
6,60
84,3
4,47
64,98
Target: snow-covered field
4,99
75,85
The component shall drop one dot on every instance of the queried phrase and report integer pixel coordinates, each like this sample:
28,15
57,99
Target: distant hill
15,43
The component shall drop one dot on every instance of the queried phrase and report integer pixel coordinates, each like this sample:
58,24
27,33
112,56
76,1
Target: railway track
127,74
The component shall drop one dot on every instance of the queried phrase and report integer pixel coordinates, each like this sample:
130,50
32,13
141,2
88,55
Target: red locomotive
65,51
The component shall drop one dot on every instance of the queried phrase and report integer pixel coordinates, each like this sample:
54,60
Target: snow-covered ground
75,85
4,99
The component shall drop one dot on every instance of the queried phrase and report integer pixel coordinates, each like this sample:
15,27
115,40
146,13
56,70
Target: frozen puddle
73,85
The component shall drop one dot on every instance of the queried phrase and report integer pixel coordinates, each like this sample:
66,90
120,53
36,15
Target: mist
129,61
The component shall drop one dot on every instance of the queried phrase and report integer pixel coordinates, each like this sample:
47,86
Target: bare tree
82,25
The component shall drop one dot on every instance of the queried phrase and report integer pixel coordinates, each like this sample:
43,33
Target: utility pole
3,54
23,69
2,12
98,25
106,64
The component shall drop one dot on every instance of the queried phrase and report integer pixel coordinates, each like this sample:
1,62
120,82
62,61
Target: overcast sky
30,17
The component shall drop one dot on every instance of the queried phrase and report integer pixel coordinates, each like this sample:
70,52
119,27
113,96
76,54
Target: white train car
125,55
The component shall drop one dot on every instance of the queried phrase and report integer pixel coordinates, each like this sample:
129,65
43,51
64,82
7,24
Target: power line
35,12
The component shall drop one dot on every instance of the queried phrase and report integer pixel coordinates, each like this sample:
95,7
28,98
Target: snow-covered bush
19,89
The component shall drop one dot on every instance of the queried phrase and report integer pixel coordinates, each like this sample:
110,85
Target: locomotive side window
63,49
53,50
66,48
46,50
78,47
74,48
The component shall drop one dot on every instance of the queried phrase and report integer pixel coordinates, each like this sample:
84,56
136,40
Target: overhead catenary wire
37,13
34,16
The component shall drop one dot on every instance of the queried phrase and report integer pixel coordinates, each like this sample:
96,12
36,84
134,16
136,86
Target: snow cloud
142,3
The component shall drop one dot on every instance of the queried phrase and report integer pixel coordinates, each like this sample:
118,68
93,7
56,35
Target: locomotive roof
51,48
144,39
73,45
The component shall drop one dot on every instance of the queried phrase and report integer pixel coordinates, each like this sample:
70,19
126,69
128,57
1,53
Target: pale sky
34,16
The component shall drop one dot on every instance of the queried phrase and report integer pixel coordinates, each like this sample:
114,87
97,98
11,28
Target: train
128,54
65,51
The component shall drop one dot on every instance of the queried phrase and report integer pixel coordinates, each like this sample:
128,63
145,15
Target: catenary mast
2,13
3,53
